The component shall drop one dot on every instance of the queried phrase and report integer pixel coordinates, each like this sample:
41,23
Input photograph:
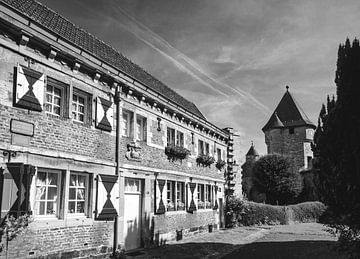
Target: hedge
246,213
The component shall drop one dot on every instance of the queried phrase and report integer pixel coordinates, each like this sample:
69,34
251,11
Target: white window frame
126,131
141,131
57,200
208,196
86,199
170,195
171,138
201,194
77,104
52,103
179,138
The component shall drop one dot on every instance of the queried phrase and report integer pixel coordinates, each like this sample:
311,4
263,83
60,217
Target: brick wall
291,145
62,242
51,133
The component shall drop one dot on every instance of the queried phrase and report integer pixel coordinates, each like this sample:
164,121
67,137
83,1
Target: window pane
52,193
41,178
81,109
74,106
71,208
74,98
48,107
49,88
57,110
57,91
40,192
80,207
49,98
52,178
50,208
81,100
57,101
81,180
72,193
42,208
72,180
81,117
80,194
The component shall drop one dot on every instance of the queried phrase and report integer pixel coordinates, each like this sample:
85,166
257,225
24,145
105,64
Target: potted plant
220,164
170,206
201,205
180,205
176,152
205,160
208,204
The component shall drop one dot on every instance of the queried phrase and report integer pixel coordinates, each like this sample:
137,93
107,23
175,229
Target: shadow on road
268,250
288,249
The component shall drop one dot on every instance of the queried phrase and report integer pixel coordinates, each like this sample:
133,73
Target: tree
273,175
337,143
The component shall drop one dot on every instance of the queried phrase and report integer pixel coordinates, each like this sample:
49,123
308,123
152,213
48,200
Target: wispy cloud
180,60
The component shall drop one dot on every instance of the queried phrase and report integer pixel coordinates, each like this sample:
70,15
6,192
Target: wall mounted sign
22,127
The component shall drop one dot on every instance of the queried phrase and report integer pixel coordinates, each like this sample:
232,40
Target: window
77,193
207,148
132,185
180,196
78,107
180,139
47,193
54,99
170,196
208,201
218,152
126,126
291,130
201,196
201,147
140,128
170,136
309,161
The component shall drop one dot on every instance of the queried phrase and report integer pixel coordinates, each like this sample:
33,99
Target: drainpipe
117,155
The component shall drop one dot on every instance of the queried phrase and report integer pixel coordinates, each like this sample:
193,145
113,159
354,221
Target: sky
231,58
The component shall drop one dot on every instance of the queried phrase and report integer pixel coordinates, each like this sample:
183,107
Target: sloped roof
252,151
81,38
288,113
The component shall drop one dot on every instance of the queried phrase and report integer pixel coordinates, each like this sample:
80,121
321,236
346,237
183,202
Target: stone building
99,151
247,175
289,132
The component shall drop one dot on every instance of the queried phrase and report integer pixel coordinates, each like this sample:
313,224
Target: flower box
205,160
176,152
220,164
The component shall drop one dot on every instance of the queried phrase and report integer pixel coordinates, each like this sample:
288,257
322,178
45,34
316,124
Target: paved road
290,241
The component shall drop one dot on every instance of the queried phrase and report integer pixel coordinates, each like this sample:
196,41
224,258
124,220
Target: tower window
291,130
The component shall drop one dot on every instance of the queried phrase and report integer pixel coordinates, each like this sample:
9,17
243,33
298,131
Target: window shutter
159,196
104,114
16,180
30,87
107,194
190,197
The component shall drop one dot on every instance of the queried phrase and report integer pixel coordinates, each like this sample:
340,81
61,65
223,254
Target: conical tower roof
252,151
288,113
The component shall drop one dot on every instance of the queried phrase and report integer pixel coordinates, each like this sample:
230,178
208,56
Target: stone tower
289,132
247,178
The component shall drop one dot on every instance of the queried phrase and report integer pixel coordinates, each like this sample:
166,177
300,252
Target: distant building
249,192
289,132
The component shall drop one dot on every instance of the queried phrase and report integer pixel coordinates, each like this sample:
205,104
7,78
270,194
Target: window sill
49,222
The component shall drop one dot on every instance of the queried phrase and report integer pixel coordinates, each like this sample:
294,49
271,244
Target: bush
245,213
307,211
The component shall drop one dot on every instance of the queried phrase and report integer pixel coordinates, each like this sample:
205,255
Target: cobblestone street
309,240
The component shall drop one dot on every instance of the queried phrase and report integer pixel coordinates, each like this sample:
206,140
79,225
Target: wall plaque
22,127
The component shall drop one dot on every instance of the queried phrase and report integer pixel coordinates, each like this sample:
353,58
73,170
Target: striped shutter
190,197
107,194
104,114
159,199
15,192
30,87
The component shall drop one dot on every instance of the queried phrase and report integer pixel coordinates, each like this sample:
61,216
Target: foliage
307,211
12,227
274,176
205,160
245,213
337,147
176,152
220,164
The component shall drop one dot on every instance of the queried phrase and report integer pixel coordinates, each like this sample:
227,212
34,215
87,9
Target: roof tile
67,30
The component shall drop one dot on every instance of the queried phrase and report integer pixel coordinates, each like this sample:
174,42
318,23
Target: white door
132,212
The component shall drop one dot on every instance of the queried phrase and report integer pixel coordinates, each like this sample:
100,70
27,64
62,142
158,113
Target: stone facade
90,135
